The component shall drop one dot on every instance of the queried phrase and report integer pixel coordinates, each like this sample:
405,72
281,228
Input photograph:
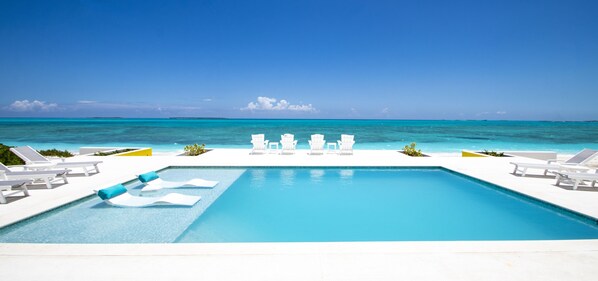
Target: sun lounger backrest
258,137
4,168
29,154
582,157
347,138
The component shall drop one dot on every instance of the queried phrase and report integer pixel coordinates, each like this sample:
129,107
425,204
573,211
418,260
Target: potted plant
195,149
412,151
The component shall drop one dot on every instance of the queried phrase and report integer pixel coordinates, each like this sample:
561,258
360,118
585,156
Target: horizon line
253,118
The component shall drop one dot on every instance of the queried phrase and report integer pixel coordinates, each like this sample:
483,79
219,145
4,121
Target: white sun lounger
118,196
152,182
36,161
47,176
575,178
260,144
6,185
316,144
345,144
572,164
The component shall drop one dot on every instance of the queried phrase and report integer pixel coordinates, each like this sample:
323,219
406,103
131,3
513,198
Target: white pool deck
462,260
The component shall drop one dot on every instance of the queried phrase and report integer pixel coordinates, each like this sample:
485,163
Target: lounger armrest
37,162
550,161
16,166
38,165
574,168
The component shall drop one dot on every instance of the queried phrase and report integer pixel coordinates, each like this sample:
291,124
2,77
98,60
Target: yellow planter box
467,153
138,152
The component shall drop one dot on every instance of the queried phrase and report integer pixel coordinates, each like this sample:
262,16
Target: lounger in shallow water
153,182
118,196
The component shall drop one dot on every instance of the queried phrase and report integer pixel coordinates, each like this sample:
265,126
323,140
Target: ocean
174,134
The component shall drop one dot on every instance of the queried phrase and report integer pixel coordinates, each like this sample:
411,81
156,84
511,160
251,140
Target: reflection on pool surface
310,205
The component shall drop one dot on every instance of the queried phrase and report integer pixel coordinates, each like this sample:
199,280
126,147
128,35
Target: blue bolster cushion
111,192
147,177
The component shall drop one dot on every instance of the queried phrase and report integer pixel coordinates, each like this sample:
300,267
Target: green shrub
100,153
8,158
56,152
411,151
195,149
493,153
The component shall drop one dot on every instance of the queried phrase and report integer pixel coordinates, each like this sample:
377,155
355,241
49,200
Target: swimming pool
313,205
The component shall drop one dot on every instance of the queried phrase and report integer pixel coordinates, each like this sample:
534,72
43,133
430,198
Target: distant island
199,118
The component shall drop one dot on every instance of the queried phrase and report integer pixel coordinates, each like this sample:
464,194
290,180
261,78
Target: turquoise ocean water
174,134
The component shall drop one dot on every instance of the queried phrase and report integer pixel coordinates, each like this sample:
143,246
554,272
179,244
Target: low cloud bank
272,104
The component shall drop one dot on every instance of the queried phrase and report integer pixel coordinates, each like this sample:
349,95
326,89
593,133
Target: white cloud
385,110
26,105
266,103
500,112
86,101
207,100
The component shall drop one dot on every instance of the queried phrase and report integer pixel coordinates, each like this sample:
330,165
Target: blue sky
502,59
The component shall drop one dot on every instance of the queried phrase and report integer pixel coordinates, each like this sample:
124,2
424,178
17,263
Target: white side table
331,147
273,145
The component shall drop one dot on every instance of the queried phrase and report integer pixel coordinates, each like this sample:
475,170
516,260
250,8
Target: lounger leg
546,172
97,169
2,199
576,184
85,171
48,183
25,190
64,179
523,172
558,179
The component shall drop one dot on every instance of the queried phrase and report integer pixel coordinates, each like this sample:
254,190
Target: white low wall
91,150
540,155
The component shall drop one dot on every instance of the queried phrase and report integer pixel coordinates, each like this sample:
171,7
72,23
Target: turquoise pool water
314,204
